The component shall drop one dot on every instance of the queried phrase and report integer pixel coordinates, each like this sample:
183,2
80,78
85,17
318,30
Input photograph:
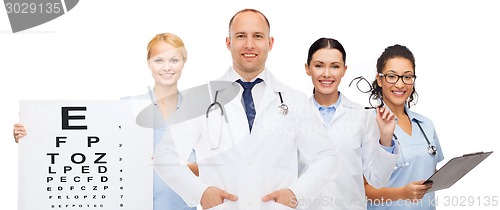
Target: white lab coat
355,133
249,166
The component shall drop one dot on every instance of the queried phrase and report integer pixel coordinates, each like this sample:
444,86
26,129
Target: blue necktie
248,100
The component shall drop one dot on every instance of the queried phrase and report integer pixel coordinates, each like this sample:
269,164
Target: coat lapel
273,88
341,110
344,105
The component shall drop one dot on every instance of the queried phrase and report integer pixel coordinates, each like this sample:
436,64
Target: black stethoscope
282,109
214,105
431,149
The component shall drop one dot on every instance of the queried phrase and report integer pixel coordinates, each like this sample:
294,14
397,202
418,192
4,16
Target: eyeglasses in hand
364,86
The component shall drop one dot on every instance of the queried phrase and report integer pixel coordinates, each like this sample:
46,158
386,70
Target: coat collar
269,80
344,105
271,90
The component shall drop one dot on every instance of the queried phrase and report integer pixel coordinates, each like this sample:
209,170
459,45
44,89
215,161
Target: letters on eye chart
85,155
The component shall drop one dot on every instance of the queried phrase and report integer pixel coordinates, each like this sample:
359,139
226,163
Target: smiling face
326,69
395,95
166,64
249,42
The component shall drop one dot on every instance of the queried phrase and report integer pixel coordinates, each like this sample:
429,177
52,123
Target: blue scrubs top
164,198
414,163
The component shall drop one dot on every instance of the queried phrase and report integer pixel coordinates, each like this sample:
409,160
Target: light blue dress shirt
414,163
328,112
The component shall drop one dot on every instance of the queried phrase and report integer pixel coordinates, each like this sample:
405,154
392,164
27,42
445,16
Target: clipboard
455,169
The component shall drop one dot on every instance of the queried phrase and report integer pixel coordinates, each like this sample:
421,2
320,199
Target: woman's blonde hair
168,38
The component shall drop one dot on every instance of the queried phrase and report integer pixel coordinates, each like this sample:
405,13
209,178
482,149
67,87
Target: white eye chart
85,155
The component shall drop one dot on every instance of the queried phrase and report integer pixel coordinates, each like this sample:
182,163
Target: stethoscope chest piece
432,150
283,109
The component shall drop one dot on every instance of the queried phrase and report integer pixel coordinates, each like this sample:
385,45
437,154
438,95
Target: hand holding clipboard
455,169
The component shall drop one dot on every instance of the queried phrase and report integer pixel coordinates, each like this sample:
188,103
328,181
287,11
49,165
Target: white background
98,51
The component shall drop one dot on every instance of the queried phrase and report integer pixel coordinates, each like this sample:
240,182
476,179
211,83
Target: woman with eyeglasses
166,56
363,137
420,150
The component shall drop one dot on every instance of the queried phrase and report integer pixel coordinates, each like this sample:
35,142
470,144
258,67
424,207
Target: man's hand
284,196
214,196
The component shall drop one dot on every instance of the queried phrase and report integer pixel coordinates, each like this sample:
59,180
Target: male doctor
250,159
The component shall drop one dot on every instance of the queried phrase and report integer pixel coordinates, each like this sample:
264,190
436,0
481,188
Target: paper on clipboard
455,169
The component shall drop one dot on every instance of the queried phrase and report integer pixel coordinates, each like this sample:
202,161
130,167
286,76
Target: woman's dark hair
395,51
325,43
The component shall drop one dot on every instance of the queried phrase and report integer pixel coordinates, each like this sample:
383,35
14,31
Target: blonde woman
166,56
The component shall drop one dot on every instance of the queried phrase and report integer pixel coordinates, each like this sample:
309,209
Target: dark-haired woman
420,150
363,140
